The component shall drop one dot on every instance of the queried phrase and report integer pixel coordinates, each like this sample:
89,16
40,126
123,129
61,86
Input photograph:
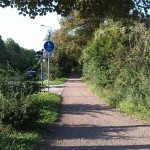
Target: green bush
11,140
18,112
16,105
118,60
99,54
54,72
46,107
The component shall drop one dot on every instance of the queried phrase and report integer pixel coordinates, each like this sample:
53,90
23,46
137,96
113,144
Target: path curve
86,123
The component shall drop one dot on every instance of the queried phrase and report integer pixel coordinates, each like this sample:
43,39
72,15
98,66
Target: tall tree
19,58
14,53
3,52
69,42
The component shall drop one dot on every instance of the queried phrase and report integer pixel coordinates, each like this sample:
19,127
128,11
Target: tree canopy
18,58
119,8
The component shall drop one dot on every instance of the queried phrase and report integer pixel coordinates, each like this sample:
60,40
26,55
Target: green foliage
86,7
16,105
118,61
3,53
47,103
47,106
69,44
19,58
57,81
18,112
17,141
54,72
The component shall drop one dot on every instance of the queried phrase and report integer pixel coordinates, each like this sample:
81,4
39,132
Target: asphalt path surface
87,123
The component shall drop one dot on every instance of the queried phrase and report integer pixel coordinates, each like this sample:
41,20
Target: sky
28,33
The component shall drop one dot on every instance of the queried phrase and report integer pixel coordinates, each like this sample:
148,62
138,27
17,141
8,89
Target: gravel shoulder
87,123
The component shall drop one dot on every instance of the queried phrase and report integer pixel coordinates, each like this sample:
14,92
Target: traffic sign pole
49,47
49,72
42,68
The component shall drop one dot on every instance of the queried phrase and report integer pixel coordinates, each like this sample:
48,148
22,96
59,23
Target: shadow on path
92,132
69,132
122,147
84,109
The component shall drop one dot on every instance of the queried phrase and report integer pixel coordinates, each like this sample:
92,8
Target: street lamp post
49,31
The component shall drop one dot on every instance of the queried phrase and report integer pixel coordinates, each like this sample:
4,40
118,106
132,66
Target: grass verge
55,82
31,137
119,100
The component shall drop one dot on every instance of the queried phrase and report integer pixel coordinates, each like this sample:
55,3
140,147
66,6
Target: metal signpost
49,47
48,53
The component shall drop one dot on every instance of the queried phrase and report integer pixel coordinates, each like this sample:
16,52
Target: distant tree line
19,58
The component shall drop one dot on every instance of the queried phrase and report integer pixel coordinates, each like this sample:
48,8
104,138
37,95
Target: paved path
58,89
86,123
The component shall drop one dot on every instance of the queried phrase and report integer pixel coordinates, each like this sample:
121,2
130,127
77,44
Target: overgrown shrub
118,59
15,97
46,107
54,72
18,112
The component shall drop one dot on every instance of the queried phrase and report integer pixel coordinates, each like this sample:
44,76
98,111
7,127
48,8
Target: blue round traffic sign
49,46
